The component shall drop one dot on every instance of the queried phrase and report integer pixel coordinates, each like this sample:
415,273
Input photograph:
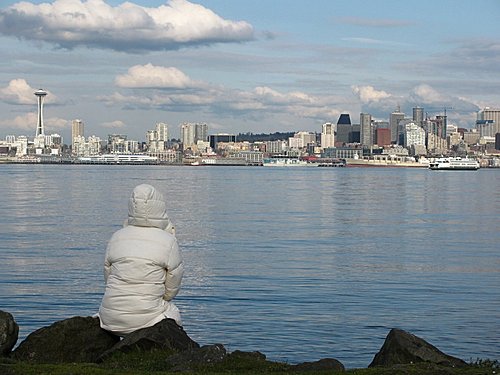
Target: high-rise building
192,133
418,116
396,116
488,121
344,129
327,135
366,132
161,131
40,94
77,128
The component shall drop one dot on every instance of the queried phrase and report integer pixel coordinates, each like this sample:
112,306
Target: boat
454,164
333,163
285,161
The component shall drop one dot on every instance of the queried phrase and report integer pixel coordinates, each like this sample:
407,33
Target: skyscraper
40,94
192,133
488,121
77,129
327,135
396,116
366,133
418,115
344,129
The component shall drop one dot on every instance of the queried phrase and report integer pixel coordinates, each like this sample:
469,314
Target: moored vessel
454,164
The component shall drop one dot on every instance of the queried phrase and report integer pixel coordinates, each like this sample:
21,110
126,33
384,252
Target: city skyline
260,67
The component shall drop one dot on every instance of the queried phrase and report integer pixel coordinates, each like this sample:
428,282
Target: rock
253,356
9,331
189,359
77,339
163,335
401,347
324,364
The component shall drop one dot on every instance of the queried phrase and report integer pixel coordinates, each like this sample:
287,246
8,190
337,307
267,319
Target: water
298,263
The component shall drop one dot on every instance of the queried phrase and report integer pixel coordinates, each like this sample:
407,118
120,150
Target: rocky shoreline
81,340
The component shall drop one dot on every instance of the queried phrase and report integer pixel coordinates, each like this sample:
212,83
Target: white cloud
368,94
18,92
117,124
27,122
150,76
126,27
426,94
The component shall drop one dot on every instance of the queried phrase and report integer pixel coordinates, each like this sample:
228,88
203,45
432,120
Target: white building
327,135
413,135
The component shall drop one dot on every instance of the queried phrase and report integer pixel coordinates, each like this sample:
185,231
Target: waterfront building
394,120
365,122
275,147
89,147
327,135
117,144
40,94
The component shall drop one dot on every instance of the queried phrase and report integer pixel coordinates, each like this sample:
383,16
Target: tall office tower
187,135
161,131
489,119
40,94
327,135
344,129
77,129
442,123
200,132
192,133
366,133
418,115
396,116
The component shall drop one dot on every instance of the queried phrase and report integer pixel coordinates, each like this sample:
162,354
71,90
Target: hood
147,208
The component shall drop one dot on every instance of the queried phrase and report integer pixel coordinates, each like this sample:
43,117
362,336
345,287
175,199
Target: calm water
298,263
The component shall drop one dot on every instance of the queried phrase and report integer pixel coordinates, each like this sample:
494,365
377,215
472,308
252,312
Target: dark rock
163,335
9,331
77,339
253,356
189,359
324,364
401,347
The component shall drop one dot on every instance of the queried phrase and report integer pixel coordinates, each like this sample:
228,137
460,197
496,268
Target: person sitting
142,268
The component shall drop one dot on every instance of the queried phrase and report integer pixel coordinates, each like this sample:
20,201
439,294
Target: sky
259,66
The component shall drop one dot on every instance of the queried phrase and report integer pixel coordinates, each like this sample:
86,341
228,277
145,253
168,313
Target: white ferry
285,161
454,164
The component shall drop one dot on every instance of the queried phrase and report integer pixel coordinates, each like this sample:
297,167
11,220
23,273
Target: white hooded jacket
142,268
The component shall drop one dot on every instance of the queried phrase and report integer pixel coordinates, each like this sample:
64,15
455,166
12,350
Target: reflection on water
300,264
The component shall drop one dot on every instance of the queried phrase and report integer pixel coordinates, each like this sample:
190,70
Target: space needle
40,94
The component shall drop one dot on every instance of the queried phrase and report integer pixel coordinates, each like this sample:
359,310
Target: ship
454,164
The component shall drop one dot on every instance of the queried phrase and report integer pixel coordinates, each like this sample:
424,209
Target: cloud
117,124
150,76
260,102
426,94
368,94
18,92
27,122
126,27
